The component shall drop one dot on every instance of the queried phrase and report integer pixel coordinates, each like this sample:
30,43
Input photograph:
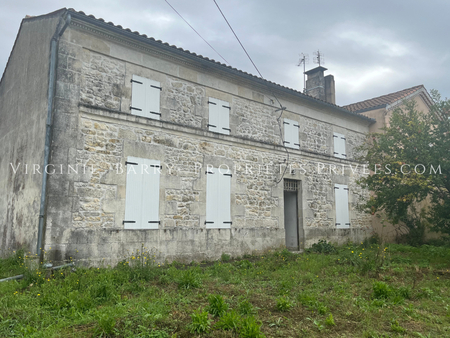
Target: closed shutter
339,145
145,97
341,204
218,198
142,194
291,139
153,97
138,96
219,116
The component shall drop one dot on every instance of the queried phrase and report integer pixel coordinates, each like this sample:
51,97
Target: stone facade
95,131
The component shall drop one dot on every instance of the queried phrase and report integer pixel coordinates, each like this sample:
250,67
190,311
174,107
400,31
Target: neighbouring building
112,140
380,109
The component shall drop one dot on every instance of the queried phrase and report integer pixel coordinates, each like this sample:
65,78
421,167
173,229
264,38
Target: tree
410,161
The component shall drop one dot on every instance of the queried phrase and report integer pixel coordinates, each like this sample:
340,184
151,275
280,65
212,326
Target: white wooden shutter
138,96
218,198
142,194
341,204
153,93
224,197
219,116
291,139
145,97
150,187
339,145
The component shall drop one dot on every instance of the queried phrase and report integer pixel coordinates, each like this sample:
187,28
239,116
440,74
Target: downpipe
48,131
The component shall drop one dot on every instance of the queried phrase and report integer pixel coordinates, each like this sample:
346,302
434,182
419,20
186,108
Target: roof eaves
199,58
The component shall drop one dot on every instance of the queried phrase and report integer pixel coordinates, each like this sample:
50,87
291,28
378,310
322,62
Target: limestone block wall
96,131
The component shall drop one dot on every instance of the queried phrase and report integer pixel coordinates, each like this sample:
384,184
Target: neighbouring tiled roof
385,100
144,38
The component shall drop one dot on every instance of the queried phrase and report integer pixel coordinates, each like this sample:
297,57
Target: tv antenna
319,58
304,58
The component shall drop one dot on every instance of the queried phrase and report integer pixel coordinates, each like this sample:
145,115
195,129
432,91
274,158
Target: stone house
112,140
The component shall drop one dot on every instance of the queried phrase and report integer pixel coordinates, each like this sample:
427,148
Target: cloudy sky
371,47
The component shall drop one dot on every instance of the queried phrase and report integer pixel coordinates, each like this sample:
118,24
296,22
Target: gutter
48,130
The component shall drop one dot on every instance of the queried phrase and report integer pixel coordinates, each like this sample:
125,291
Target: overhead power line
197,32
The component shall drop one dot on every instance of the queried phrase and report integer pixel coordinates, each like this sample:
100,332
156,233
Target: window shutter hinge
286,142
209,222
345,188
159,222
338,223
128,222
226,107
160,88
228,222
153,112
347,223
135,108
211,125
212,103
228,175
335,136
208,172
296,125
227,129
136,81
132,163
286,123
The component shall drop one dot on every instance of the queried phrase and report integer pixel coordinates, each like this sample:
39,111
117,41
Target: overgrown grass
363,290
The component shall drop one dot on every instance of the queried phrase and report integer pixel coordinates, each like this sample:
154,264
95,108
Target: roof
199,58
389,99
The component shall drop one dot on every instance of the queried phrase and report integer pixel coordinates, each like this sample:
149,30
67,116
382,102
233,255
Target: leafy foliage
322,246
411,164
200,322
217,305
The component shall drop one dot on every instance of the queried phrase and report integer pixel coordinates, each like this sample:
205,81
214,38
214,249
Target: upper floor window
219,116
339,145
145,97
291,139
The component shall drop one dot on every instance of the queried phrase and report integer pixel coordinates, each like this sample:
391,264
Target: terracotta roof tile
378,102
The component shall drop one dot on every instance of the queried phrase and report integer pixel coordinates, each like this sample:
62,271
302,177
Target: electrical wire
273,94
197,32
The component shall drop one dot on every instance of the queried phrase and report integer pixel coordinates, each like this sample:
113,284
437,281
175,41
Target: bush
217,305
322,247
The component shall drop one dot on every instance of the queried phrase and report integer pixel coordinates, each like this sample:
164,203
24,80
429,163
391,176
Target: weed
381,290
246,308
189,279
105,324
395,327
322,247
251,328
225,258
284,304
330,321
200,322
229,321
217,305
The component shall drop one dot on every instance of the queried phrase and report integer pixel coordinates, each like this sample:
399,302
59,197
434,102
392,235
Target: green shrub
200,322
217,305
229,321
322,247
284,304
251,328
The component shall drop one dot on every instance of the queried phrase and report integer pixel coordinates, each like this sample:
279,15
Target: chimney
319,86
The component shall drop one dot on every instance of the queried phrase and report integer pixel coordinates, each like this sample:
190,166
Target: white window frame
142,193
341,206
339,145
218,198
291,137
145,97
219,116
